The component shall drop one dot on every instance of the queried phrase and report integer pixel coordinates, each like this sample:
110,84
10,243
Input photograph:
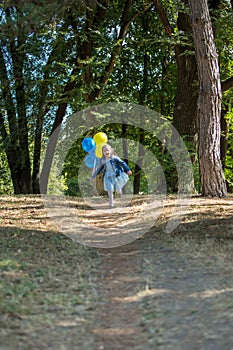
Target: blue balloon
88,144
90,160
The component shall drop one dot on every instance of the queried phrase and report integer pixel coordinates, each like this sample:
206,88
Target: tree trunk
10,153
16,139
18,63
209,101
50,150
142,100
138,165
15,170
37,154
124,129
185,110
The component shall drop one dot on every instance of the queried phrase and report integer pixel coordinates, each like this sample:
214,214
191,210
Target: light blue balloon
90,160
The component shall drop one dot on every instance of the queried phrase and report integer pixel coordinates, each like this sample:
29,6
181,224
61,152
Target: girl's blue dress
113,182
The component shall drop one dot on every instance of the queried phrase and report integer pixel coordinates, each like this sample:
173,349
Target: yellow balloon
100,137
98,151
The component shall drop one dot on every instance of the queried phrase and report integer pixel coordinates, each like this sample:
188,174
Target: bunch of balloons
94,148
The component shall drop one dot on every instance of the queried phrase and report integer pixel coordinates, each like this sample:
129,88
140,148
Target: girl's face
107,151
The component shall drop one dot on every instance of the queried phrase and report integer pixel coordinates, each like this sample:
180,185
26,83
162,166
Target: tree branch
100,12
167,26
227,84
163,16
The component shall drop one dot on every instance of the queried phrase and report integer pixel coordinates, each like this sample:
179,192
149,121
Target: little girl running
115,172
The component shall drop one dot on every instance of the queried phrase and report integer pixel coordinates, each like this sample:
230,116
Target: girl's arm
97,172
124,165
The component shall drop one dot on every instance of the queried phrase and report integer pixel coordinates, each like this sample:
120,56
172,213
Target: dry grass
163,290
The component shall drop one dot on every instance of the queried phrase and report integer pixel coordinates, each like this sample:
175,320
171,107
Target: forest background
59,58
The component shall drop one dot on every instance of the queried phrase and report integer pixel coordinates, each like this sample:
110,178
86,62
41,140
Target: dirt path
168,300
162,291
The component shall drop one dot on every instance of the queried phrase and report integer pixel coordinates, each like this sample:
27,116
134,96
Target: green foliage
5,176
61,45
145,73
228,171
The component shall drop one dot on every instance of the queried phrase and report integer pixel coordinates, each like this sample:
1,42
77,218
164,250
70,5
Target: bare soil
161,291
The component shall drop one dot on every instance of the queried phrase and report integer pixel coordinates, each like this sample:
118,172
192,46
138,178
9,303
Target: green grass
44,277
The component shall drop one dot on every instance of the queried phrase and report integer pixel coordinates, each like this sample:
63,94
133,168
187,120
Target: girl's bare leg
110,196
119,193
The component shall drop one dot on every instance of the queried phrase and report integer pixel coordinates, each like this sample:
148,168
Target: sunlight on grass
211,293
114,331
142,294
